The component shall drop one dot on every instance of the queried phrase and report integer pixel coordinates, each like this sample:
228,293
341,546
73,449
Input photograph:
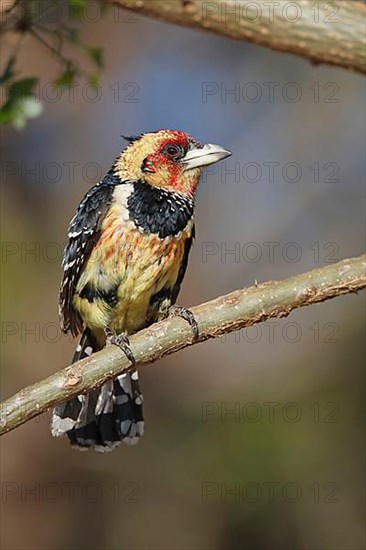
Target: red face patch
171,150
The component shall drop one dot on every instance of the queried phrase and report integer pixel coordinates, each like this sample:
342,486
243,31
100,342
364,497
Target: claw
122,341
188,316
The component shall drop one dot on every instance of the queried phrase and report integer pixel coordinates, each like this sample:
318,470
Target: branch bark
323,31
239,309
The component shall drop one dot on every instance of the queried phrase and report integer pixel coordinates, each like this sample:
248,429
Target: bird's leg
122,341
187,315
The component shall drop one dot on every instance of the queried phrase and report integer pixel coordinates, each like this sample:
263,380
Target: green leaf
18,111
97,56
21,103
5,114
67,78
21,89
77,6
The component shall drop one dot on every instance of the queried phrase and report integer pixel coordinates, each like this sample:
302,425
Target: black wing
84,232
183,266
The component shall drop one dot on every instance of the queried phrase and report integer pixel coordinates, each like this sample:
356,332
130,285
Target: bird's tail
104,417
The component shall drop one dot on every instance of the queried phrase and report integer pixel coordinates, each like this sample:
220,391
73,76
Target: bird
123,266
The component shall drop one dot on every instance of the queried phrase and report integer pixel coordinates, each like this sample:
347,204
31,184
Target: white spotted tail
104,417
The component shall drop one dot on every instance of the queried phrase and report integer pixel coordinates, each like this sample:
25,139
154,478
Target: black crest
130,139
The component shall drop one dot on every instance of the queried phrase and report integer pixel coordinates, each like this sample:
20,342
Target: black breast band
158,211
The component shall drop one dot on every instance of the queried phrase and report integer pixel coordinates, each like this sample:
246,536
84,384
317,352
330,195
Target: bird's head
168,159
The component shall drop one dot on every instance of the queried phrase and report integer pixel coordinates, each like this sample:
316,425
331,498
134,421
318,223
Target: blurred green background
284,470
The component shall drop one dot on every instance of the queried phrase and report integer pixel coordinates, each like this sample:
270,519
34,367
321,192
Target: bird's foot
122,341
188,316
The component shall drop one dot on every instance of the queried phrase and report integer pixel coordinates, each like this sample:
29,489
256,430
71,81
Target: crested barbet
124,263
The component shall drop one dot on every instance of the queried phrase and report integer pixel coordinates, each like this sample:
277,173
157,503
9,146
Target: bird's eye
174,152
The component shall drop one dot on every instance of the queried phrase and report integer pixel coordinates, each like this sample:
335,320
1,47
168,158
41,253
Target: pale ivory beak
208,154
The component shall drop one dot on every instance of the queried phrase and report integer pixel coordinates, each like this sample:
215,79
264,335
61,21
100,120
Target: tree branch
323,31
239,309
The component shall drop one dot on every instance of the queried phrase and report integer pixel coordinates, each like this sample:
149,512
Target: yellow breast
136,264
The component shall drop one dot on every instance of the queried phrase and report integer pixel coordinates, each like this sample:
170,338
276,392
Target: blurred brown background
286,469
